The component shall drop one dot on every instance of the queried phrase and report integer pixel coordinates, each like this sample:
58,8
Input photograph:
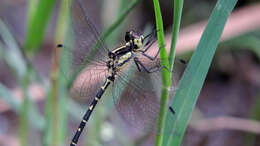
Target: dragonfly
113,68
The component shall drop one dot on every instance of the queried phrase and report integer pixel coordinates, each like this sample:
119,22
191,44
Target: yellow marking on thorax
116,49
123,58
121,64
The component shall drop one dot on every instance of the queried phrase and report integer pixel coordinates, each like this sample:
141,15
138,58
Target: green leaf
195,74
37,24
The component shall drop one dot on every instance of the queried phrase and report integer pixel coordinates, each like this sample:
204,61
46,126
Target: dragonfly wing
82,45
137,95
88,82
84,53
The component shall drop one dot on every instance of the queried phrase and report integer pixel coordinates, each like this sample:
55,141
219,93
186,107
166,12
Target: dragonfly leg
140,65
152,58
151,41
137,65
149,44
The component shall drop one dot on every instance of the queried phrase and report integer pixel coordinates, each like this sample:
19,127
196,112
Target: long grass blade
38,24
11,53
178,4
166,82
195,74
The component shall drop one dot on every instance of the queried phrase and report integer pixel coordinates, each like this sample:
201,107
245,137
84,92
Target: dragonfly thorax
119,58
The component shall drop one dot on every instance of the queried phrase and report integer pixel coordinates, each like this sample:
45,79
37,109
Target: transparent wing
84,53
83,44
86,32
137,95
88,82
138,102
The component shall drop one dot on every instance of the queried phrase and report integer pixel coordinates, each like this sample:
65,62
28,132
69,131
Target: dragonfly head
135,39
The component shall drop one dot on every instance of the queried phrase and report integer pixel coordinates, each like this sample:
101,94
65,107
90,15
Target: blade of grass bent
195,74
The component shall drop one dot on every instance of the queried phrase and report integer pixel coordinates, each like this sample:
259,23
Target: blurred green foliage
37,24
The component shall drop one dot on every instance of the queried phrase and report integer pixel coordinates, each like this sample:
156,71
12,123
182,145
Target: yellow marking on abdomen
107,81
91,107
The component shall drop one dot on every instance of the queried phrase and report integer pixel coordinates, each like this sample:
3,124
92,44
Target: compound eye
135,46
127,36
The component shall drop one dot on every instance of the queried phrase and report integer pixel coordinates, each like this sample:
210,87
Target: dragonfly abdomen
90,109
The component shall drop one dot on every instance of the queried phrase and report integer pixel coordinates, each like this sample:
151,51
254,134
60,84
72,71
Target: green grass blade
195,74
31,9
37,24
62,28
166,82
55,107
11,53
24,112
178,5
